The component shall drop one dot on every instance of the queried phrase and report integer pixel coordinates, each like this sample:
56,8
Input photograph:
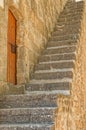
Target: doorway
11,49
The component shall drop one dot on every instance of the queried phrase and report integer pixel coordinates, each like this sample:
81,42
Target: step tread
50,81
54,70
58,47
61,61
29,126
65,40
57,50
31,108
64,92
27,111
70,53
56,37
32,93
65,35
25,125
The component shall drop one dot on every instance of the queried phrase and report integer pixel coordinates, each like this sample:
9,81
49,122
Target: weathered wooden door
11,49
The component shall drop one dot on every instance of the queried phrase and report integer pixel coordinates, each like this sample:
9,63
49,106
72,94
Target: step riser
71,2
25,128
69,19
52,66
60,50
71,13
58,38
67,30
54,75
62,33
48,86
74,6
70,22
27,116
29,101
24,119
61,43
58,57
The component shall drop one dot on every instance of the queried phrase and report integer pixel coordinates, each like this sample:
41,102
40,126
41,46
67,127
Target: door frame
19,42
9,47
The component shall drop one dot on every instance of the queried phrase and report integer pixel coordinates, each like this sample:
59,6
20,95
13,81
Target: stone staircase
36,109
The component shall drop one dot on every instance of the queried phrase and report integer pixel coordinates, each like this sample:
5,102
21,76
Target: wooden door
11,49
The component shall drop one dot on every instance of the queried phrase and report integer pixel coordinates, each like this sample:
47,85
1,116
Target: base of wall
8,88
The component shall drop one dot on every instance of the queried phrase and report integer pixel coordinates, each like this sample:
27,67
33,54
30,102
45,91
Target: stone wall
78,93
3,46
35,22
71,114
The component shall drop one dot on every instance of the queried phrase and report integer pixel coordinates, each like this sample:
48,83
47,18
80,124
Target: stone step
69,2
49,85
71,24
69,13
73,8
77,21
68,23
31,99
27,115
58,57
53,93
70,18
74,5
26,126
62,32
73,2
55,65
64,37
68,29
52,74
68,26
35,110
62,43
59,50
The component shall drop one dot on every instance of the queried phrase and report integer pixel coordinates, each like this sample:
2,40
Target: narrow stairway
53,75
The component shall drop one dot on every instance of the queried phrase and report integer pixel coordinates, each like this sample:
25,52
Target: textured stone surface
73,108
35,22
44,108
53,74
29,100
62,43
38,85
25,115
55,65
62,49
79,80
11,89
32,99
26,127
58,57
